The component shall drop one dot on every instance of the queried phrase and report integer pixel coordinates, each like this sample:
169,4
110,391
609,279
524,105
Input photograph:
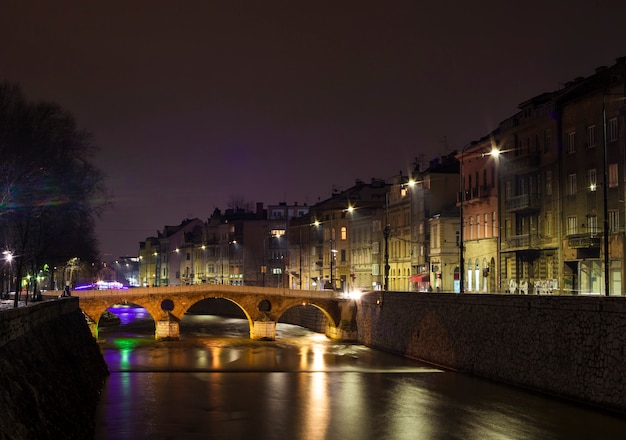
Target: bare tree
51,192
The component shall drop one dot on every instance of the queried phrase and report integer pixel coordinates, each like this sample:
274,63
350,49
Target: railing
524,202
523,241
476,193
210,288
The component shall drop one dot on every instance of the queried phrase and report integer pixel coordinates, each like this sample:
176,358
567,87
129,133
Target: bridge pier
168,328
341,334
265,330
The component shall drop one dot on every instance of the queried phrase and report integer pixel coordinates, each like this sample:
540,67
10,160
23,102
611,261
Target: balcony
522,163
524,203
583,241
525,241
476,194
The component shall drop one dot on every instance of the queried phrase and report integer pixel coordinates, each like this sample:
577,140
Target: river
216,383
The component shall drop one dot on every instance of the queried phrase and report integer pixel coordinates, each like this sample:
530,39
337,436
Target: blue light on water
128,314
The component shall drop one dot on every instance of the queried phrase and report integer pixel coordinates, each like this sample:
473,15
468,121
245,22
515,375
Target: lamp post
461,227
605,202
386,232
8,258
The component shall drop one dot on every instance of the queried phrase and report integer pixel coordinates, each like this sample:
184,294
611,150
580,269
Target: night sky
195,103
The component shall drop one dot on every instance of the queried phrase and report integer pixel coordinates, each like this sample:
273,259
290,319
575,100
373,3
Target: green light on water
125,347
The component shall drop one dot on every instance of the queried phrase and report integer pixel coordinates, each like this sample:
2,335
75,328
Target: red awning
419,278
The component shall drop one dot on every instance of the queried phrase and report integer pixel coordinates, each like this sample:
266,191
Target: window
613,176
375,247
591,136
548,224
571,185
591,180
547,140
471,228
592,224
611,129
494,225
478,226
614,220
344,233
548,183
571,225
571,142
343,255
486,225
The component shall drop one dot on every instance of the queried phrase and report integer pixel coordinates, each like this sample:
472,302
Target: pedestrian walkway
9,304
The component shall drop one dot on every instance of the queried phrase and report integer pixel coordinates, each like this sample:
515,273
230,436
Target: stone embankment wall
308,317
570,347
51,372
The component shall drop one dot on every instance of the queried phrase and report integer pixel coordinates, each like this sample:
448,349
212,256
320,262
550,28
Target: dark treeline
51,192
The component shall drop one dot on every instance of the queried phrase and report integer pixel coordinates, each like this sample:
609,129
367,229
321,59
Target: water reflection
216,383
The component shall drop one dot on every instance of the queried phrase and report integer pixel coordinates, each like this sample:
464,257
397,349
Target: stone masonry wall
308,317
570,347
52,372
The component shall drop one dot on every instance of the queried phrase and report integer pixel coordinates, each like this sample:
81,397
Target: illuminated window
344,233
613,176
571,225
592,224
486,225
591,180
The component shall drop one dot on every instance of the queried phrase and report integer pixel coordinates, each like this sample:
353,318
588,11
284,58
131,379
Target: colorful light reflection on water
129,313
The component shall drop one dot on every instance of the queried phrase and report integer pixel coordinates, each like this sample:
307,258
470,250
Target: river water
216,383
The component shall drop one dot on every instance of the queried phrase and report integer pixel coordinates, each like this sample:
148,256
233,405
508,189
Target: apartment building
478,202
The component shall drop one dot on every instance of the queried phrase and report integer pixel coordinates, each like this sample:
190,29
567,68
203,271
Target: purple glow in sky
194,102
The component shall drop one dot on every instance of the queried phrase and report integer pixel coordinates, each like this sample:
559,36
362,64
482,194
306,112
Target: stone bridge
262,306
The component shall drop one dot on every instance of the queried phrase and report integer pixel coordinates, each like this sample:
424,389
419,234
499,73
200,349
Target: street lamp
8,258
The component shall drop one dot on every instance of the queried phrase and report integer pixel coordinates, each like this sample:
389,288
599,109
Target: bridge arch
94,311
184,308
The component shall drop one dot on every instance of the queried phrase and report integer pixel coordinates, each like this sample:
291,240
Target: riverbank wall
51,372
569,347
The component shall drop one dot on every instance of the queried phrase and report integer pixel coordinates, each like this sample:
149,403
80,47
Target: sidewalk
9,303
